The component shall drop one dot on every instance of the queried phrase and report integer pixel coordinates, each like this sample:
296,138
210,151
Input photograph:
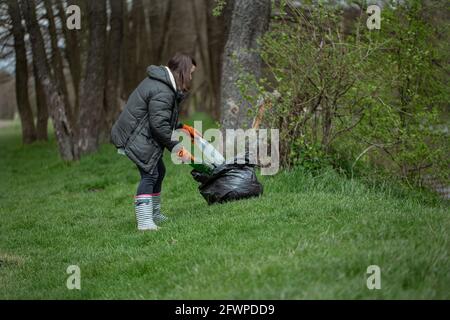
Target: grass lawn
305,238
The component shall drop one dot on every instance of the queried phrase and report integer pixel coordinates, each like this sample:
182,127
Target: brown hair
181,65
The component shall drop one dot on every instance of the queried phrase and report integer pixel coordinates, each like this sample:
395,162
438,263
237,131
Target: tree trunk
63,129
162,54
93,87
56,58
23,102
130,51
181,32
217,28
41,106
73,56
138,51
124,57
112,107
250,19
143,49
159,17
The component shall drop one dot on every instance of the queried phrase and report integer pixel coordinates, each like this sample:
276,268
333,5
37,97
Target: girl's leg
144,200
161,174
157,215
148,182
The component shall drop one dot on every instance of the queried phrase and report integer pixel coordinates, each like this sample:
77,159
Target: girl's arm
160,112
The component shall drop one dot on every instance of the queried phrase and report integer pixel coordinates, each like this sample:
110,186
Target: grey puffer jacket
144,128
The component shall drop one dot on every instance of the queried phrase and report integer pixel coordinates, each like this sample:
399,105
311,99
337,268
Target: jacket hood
161,74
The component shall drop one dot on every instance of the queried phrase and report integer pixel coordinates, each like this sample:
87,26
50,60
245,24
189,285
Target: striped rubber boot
144,212
158,217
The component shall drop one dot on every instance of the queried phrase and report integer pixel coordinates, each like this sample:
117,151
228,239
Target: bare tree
250,19
124,56
217,31
159,12
181,34
112,107
63,128
22,98
93,87
41,106
130,55
73,55
56,58
143,41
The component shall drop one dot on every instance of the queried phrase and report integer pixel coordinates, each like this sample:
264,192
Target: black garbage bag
228,182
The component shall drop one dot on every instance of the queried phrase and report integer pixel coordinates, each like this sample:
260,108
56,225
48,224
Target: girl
144,129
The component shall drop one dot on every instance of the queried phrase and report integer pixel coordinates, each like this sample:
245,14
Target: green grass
306,237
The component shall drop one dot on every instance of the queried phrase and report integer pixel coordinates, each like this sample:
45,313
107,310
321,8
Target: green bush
363,101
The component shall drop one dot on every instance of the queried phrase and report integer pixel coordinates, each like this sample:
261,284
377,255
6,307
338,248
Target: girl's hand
183,154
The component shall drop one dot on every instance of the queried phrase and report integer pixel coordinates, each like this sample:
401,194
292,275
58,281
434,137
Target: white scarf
172,79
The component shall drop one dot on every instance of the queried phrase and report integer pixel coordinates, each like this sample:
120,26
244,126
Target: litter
228,182
222,181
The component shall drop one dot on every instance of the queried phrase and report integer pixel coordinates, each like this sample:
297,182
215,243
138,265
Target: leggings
151,183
